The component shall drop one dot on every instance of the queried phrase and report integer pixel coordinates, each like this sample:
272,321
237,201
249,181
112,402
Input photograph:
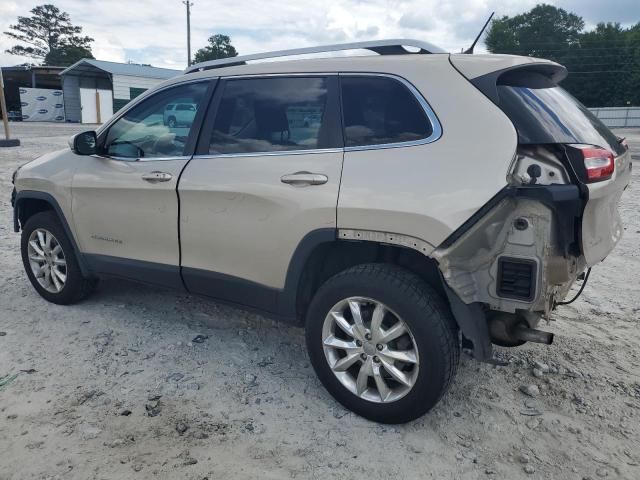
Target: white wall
122,83
71,85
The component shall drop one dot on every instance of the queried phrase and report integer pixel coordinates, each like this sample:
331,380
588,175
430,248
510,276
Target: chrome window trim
436,127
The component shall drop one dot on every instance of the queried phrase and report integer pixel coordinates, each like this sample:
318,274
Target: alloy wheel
47,261
370,350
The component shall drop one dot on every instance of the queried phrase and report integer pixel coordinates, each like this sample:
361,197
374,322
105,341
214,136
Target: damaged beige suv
401,205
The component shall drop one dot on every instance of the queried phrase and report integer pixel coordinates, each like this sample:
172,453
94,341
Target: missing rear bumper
521,254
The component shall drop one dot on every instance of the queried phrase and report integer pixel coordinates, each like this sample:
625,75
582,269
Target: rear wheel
50,261
382,342
172,123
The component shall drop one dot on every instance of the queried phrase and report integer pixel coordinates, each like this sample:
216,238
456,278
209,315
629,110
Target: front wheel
50,261
382,342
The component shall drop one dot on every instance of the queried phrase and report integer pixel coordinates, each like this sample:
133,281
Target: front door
125,205
267,173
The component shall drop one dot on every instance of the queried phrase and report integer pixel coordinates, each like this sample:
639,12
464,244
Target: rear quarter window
381,110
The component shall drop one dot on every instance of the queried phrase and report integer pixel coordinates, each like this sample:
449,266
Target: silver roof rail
382,47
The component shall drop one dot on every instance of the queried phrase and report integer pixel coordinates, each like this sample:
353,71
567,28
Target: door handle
155,177
301,179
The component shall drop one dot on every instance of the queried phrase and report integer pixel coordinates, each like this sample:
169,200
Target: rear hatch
543,113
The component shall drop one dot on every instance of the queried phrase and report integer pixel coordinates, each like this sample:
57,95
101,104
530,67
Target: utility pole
189,4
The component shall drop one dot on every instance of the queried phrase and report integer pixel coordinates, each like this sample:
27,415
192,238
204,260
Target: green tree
633,80
219,47
595,64
545,31
50,37
603,63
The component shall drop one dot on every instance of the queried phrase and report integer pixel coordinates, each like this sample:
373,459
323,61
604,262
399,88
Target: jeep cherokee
401,205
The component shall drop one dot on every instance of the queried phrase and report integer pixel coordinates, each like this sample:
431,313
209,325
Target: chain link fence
618,116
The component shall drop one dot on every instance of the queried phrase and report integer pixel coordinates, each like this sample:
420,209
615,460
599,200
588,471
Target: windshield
552,115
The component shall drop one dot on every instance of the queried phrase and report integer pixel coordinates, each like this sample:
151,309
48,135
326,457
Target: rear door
263,178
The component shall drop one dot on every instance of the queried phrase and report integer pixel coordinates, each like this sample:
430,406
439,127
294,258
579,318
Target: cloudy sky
154,31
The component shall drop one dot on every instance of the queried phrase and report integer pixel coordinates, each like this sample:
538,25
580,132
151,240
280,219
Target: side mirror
84,143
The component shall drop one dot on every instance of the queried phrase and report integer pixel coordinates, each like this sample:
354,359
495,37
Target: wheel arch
29,202
321,254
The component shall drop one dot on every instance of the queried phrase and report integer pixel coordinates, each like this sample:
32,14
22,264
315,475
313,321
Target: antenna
470,49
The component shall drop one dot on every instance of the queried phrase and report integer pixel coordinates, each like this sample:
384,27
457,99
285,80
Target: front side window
158,126
271,114
381,110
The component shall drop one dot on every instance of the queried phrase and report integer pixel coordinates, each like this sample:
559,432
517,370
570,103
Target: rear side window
552,115
272,114
381,110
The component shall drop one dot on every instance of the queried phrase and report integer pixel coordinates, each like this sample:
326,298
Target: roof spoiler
486,72
531,75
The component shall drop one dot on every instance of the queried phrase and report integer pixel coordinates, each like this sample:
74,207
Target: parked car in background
398,206
179,114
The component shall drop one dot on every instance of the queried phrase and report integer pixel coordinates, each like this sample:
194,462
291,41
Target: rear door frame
229,289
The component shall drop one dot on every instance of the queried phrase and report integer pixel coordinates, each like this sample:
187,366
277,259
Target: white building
94,90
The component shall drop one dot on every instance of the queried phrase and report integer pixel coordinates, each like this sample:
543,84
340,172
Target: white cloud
154,31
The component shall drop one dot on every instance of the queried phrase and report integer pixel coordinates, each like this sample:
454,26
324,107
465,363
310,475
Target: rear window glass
552,115
380,110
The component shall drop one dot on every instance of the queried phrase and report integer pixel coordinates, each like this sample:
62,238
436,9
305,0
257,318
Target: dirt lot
115,387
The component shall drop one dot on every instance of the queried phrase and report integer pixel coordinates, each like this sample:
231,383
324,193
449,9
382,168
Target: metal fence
618,116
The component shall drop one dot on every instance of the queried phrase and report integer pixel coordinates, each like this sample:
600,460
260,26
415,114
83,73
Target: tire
431,336
75,286
172,123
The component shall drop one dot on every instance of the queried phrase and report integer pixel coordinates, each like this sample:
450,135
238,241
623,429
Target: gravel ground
118,387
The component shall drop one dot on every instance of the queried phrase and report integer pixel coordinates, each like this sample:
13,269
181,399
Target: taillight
599,163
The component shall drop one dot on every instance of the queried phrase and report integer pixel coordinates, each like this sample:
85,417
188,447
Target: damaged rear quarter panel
470,264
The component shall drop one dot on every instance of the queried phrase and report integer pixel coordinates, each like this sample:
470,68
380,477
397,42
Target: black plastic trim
287,298
228,288
472,321
35,195
146,272
533,273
